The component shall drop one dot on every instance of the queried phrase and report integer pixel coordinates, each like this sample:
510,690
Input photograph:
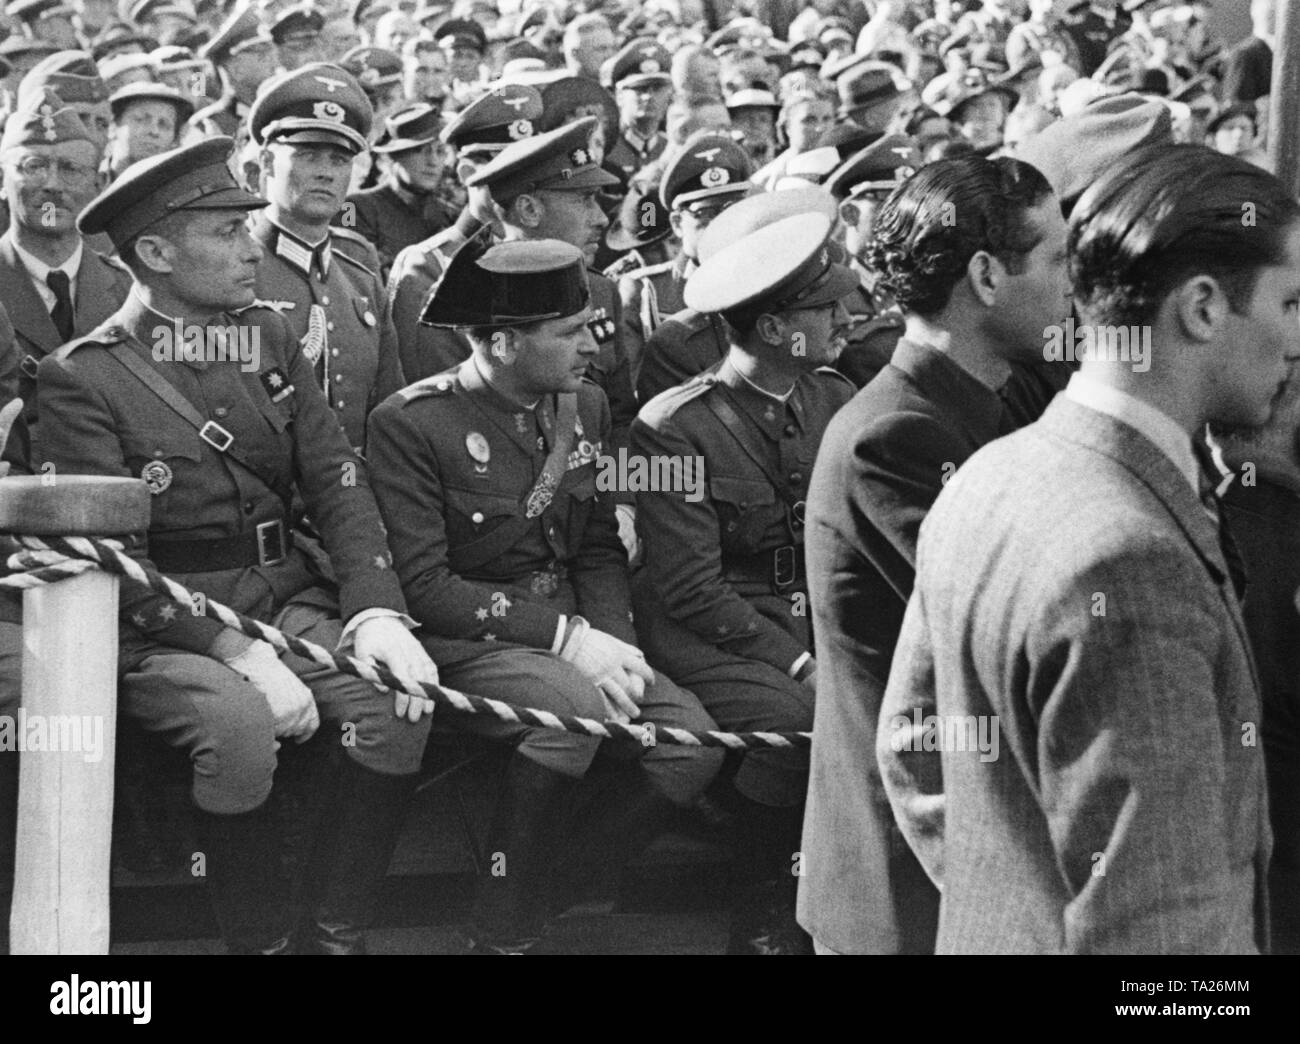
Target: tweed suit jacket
1071,589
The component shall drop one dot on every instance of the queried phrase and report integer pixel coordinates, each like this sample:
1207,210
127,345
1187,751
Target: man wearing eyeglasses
710,173
53,286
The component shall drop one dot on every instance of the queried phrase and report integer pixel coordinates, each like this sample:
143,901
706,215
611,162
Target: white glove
619,670
292,704
626,515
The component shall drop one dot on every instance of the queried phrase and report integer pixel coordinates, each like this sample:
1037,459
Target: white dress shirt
39,272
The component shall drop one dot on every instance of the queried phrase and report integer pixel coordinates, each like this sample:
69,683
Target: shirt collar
40,271
299,253
1158,427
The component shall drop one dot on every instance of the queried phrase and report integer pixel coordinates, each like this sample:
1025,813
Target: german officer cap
643,61
570,98
410,128
139,10
44,119
508,284
241,31
461,32
709,164
73,75
883,165
118,37
303,20
560,160
192,178
781,266
32,10
152,92
506,113
766,208
318,102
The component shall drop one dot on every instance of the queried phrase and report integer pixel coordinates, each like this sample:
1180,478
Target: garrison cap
44,119
192,178
1074,151
317,102
461,32
883,165
410,128
240,32
783,265
73,74
303,20
560,160
506,113
33,10
643,61
508,284
374,67
152,92
766,208
709,164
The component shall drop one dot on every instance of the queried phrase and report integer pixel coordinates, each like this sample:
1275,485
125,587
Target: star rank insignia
276,383
168,612
481,614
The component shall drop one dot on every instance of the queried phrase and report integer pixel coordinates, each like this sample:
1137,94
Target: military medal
479,450
157,476
542,495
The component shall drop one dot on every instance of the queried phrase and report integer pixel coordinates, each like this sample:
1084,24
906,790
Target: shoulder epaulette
438,384
347,233
645,271
279,307
669,401
108,334
830,371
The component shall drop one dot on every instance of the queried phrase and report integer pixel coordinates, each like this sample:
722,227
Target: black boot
352,855
763,915
8,839
249,892
625,814
526,833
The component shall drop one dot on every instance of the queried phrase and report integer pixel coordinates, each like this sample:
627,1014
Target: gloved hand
385,640
292,704
619,670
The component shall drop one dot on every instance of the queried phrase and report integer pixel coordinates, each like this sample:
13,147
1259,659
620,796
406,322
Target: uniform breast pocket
278,418
746,509
471,514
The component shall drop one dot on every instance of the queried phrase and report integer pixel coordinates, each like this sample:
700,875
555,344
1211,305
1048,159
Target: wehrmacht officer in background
509,555
225,443
481,130
310,124
709,174
643,87
243,55
721,602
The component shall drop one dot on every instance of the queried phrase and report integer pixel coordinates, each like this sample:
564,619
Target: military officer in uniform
225,449
310,123
643,87
547,187
243,55
481,130
860,184
53,285
721,602
508,551
709,174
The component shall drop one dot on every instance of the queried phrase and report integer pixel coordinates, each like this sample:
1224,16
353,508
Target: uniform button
330,326
248,507
796,477
477,518
342,404
324,299
338,378
791,430
220,412
334,352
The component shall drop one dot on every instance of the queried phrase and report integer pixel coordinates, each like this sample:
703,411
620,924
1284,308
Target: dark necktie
61,313
1210,498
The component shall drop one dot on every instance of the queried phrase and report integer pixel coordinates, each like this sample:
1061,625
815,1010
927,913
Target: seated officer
510,559
721,602
310,123
709,174
226,436
479,132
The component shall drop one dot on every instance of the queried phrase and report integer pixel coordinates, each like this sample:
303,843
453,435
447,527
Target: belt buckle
28,366
785,566
270,543
216,436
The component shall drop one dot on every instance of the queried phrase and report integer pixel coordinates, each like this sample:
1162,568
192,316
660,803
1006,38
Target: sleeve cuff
373,613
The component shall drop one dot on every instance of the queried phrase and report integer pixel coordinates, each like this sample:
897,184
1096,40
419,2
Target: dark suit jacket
884,460
1071,592
101,289
391,223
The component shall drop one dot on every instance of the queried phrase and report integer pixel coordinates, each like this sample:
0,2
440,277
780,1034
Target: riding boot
623,817
248,890
526,833
765,882
353,851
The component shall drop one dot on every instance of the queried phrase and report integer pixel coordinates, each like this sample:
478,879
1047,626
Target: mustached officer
310,124
510,560
721,601
226,448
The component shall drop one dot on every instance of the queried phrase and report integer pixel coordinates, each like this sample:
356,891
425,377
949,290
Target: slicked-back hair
1165,214
930,227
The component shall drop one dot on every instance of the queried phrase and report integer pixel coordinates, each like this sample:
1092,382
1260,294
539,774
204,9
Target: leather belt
782,568
266,545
